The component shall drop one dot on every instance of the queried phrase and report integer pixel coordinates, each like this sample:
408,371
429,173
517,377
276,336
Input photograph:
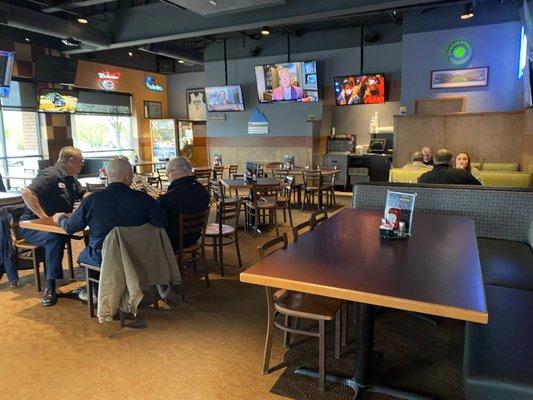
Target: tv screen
224,98
58,101
296,81
52,69
7,58
359,89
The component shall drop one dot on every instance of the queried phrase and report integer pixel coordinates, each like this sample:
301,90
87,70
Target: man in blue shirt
52,191
116,205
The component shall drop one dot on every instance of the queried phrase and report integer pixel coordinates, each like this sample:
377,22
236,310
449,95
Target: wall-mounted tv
7,59
52,69
58,101
224,98
359,89
296,81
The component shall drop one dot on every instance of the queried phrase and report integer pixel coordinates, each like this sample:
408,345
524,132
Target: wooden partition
495,137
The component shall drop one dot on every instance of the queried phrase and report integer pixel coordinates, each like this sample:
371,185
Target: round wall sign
459,52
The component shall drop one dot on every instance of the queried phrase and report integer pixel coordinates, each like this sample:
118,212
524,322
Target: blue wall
495,46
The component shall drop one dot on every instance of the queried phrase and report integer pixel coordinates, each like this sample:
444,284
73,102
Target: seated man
427,154
185,195
417,162
116,205
443,171
53,190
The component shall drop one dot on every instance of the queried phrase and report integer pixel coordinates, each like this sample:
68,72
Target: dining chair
162,174
312,185
218,171
264,201
193,224
204,177
294,305
225,231
318,217
232,171
300,229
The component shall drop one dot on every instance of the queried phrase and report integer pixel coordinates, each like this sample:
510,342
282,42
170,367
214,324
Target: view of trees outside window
103,135
21,139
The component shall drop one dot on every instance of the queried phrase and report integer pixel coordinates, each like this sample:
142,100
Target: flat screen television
224,98
7,59
52,69
295,81
58,101
359,89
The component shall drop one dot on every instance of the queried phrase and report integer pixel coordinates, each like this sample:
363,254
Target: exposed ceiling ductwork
75,4
33,21
217,7
179,53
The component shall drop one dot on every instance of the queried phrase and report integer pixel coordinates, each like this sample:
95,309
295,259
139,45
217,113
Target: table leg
361,383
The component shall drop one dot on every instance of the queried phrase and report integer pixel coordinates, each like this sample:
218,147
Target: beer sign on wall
152,85
108,80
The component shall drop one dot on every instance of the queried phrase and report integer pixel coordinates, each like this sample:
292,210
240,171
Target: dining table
436,271
9,198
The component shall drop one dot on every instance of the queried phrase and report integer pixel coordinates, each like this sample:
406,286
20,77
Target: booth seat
498,357
502,167
488,178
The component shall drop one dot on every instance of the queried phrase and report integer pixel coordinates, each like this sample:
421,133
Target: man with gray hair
54,190
417,162
185,195
116,205
427,156
444,173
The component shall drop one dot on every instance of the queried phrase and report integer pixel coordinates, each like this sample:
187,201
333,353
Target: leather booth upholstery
498,357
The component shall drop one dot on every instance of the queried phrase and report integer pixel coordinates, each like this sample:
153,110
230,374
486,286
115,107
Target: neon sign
151,85
108,80
459,52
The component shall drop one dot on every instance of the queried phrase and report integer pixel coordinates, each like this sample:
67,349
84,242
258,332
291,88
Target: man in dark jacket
185,196
444,173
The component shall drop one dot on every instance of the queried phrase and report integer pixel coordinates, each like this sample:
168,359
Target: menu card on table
399,209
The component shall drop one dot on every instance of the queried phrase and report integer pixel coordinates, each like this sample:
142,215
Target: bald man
116,205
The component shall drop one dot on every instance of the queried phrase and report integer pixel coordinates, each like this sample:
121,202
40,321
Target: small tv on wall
58,101
224,98
359,89
295,81
7,59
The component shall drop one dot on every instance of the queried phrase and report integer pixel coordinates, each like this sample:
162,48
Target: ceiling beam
69,5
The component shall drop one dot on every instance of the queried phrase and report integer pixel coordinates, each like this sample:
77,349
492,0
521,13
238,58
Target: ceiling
180,29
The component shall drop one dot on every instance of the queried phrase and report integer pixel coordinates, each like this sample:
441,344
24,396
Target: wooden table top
47,225
7,198
241,183
436,271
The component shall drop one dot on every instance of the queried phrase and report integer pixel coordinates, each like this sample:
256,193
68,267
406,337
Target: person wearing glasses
54,190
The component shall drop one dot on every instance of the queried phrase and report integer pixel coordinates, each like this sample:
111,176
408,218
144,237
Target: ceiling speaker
372,37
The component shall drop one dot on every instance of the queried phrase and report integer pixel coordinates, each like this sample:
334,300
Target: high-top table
7,198
435,272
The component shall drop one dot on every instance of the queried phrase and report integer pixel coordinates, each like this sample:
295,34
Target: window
102,125
20,143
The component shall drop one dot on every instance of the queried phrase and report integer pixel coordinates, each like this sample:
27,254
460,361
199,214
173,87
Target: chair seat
305,305
192,248
22,244
213,229
283,199
262,205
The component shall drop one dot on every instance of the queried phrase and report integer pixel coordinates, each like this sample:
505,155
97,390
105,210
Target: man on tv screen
286,90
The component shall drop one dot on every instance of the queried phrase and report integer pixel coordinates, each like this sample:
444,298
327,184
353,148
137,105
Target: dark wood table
7,198
241,183
435,272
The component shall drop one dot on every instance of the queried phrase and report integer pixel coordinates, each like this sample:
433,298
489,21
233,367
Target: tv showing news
7,59
359,89
51,69
224,98
296,81
58,101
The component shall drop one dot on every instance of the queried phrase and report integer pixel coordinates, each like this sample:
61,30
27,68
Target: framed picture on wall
460,78
153,109
196,108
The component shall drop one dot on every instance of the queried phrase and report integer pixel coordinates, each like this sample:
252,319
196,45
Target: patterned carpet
208,348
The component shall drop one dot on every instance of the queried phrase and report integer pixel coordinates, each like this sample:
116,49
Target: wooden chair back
280,174
273,245
162,173
318,217
312,179
95,187
218,171
265,193
192,224
233,170
204,177
300,229
228,213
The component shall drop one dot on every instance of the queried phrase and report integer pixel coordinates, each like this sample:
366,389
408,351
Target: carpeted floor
208,348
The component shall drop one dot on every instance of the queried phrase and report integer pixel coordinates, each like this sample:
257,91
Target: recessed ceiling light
213,3
181,61
130,53
265,31
82,20
27,39
468,12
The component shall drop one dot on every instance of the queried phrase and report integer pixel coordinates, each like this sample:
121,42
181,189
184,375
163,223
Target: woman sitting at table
462,161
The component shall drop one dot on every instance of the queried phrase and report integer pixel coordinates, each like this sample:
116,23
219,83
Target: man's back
185,196
117,205
445,174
